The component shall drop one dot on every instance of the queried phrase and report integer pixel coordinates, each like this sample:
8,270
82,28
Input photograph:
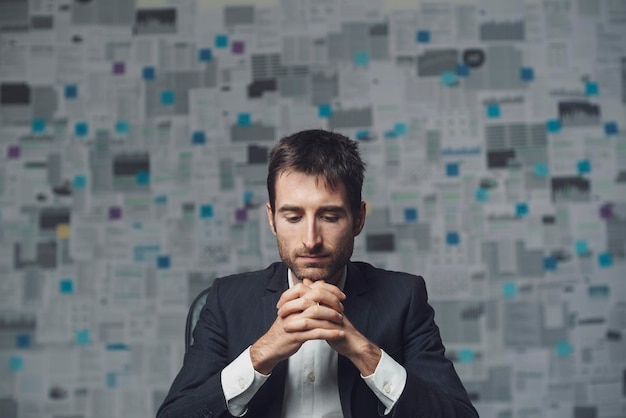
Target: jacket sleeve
197,390
433,388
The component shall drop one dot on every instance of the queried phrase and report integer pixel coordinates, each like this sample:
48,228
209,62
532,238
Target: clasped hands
312,311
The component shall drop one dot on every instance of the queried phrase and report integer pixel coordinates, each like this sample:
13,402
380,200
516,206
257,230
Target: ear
359,220
270,217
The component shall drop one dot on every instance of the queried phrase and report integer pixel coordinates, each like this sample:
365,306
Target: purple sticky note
115,212
13,152
606,211
119,68
238,47
241,215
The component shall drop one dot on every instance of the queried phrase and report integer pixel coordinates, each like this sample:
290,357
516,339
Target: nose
312,237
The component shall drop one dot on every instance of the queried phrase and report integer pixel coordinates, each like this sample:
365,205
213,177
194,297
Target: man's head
329,156
315,209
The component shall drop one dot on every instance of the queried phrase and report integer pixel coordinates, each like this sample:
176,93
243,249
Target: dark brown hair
329,155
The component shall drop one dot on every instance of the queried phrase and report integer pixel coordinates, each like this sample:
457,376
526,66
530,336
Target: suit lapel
357,310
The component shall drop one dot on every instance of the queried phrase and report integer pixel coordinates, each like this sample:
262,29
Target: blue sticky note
423,36
160,199
243,119
206,211
205,55
111,379
410,214
584,167
22,340
362,134
509,290
581,247
82,337
493,110
142,178
482,194
453,238
452,169
610,128
81,128
221,41
122,127
198,138
521,209
549,263
148,73
324,111
466,356
361,58
400,128
390,134
66,286
553,125
563,349
79,182
248,195
527,74
71,91
38,126
448,78
163,262
168,97
591,88
605,260
462,70
16,363
541,170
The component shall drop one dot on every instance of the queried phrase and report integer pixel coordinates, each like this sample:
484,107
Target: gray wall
133,144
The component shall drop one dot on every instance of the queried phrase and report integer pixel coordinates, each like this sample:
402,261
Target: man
317,335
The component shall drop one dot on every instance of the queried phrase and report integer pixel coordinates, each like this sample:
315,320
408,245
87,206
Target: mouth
312,258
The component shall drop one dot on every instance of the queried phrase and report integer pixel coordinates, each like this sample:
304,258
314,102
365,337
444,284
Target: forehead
291,184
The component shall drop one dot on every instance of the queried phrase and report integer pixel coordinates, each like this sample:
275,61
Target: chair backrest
192,317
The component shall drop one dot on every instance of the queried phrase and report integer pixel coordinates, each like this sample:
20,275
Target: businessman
317,335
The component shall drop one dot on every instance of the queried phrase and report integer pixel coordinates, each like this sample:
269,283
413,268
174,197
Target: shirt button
311,377
242,384
387,388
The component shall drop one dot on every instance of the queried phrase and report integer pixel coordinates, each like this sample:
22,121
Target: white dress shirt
311,387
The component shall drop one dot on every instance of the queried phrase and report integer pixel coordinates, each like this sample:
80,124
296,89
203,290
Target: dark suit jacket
389,308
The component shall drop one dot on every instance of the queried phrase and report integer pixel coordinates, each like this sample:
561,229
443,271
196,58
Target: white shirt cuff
388,381
240,382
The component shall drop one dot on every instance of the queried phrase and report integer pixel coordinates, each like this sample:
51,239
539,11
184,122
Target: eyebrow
328,208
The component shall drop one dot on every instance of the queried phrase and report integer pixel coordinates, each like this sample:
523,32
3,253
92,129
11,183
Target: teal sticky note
206,211
564,349
509,290
400,128
605,260
122,127
38,126
448,78
591,88
482,194
361,59
584,167
221,41
541,170
466,356
168,97
493,110
324,111
142,178
521,209
248,195
553,126
16,363
244,119
82,337
66,286
581,247
80,182
81,128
